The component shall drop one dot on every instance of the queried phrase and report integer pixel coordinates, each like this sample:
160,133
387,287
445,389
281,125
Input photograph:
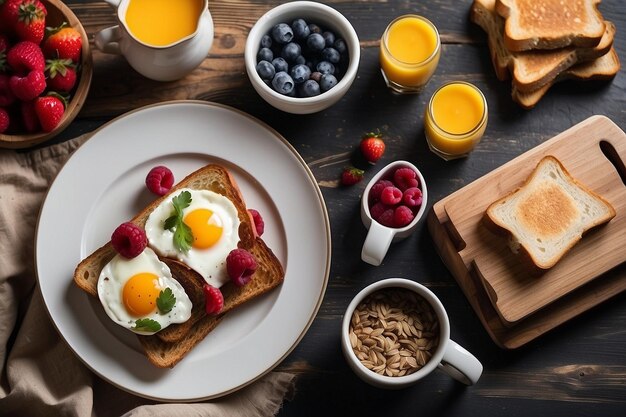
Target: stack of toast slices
168,346
538,43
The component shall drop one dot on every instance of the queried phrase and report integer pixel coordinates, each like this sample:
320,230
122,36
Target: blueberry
315,42
280,64
265,70
325,67
300,60
317,76
266,41
291,51
340,46
313,28
265,54
300,73
282,33
310,88
329,38
283,83
300,29
331,55
327,82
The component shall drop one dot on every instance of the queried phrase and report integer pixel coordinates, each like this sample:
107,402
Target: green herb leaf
166,300
147,325
183,237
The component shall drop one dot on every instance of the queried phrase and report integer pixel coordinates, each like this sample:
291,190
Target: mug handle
107,40
460,364
376,243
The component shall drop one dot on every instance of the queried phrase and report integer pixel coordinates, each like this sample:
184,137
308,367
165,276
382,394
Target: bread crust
167,347
539,24
494,223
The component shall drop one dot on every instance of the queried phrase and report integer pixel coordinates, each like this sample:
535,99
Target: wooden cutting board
507,296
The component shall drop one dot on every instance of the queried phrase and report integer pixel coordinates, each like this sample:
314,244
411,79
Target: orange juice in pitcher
163,22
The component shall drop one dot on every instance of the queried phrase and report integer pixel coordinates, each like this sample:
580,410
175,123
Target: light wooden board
506,297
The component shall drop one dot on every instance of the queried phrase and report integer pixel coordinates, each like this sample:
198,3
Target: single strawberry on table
351,176
49,110
61,75
372,146
63,42
31,21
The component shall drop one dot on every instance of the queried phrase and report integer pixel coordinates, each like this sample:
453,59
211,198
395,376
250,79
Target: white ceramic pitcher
161,63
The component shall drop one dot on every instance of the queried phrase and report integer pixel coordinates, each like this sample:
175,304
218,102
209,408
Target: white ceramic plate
102,185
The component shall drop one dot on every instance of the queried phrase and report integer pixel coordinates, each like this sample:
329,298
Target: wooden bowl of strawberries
45,70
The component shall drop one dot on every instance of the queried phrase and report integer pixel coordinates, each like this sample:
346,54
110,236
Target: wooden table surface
577,369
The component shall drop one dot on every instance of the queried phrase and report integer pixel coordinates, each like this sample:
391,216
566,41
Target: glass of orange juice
455,119
409,53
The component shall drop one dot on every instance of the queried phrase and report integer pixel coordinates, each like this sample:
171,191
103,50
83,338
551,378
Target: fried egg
214,223
129,288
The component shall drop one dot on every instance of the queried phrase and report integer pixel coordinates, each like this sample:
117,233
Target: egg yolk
205,226
140,294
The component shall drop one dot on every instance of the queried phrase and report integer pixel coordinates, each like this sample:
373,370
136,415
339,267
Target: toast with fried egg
548,215
170,345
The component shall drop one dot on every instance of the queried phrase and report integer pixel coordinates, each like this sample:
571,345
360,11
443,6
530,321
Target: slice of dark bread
167,347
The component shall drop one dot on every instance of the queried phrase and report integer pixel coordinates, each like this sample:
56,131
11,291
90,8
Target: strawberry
372,147
28,87
4,47
63,43
61,75
29,117
9,12
31,21
49,111
351,175
25,57
4,120
6,95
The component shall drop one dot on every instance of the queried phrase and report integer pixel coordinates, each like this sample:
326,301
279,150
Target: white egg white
119,270
210,263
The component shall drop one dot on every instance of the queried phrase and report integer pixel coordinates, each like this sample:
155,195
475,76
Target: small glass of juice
409,53
455,119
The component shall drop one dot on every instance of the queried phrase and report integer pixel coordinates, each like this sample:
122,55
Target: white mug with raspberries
391,206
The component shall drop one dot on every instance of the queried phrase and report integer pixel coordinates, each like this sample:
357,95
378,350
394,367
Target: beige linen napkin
39,374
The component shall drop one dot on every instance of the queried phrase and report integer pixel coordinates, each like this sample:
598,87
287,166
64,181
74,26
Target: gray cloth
39,374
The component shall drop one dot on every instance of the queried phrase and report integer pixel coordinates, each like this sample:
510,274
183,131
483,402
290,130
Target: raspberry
405,178
259,224
129,240
391,196
412,197
386,218
377,209
402,216
240,265
377,189
213,299
159,180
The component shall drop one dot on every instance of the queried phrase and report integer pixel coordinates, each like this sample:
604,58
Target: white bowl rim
352,40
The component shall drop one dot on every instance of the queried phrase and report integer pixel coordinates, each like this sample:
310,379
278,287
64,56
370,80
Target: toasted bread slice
603,68
532,69
550,24
548,215
184,336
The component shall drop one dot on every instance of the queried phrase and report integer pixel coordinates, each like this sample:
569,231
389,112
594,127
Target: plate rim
327,233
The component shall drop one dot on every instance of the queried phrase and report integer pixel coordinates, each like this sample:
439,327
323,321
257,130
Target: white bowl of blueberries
302,56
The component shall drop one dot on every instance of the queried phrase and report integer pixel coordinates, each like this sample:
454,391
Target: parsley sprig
147,325
166,300
183,237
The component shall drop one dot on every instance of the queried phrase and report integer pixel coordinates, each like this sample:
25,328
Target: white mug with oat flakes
396,331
